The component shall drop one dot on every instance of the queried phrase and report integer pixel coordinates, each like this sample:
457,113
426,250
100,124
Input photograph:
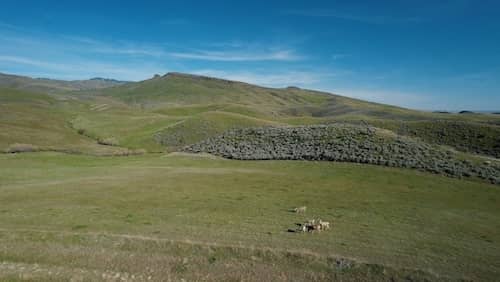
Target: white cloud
82,69
234,56
135,51
116,48
32,62
233,51
229,51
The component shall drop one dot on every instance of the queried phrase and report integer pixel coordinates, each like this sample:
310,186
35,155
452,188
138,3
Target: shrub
129,152
109,141
21,148
138,152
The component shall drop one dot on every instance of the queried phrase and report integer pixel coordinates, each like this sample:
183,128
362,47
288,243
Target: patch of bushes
129,152
109,141
22,148
345,143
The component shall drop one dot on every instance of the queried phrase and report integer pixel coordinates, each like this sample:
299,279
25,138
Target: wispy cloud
231,51
81,69
32,62
357,17
237,56
79,57
134,51
224,51
116,48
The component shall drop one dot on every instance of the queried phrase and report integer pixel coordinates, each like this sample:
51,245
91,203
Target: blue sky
433,55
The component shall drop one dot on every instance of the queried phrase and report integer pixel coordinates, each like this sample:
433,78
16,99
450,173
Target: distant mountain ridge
109,80
48,85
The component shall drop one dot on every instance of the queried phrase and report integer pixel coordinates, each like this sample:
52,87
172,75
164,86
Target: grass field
179,216
78,210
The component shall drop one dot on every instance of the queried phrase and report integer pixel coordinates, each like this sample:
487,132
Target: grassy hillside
48,123
200,93
191,217
83,217
467,136
39,120
187,95
200,127
176,89
175,110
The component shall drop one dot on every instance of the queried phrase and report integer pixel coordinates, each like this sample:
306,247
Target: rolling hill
178,89
408,192
175,110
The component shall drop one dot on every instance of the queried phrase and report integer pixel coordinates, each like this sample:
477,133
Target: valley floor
196,217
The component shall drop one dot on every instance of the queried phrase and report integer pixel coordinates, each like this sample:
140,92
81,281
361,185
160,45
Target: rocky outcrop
345,143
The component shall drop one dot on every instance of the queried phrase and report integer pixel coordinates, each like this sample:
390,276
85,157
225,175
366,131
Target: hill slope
171,111
189,95
177,89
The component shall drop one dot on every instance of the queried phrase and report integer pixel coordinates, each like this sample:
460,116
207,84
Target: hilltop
179,89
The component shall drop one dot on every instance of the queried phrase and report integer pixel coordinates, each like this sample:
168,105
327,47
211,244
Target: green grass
466,136
199,127
71,211
180,109
132,129
85,217
180,89
191,96
40,120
